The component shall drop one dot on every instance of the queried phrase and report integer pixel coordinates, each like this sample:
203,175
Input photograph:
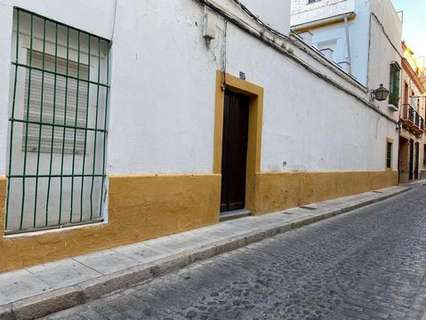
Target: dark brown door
234,151
416,165
411,165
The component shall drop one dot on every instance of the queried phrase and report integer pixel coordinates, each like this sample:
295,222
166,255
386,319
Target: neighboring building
328,26
412,113
421,62
126,120
361,36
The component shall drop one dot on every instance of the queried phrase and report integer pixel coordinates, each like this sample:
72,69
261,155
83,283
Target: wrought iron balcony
412,120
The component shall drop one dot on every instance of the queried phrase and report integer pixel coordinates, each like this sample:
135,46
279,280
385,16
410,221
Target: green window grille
57,125
394,85
389,155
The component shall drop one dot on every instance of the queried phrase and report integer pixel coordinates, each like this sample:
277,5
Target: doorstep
414,183
38,291
235,214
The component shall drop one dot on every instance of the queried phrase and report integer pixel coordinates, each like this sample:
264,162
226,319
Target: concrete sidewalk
38,291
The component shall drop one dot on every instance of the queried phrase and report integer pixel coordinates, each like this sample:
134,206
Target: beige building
412,165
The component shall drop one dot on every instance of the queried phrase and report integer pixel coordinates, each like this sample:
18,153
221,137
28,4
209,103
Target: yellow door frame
255,92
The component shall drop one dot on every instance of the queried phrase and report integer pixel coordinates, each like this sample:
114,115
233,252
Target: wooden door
234,151
411,165
417,161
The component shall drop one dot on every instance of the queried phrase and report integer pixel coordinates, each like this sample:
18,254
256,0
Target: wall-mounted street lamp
380,94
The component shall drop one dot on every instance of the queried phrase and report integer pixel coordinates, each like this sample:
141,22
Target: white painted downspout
348,44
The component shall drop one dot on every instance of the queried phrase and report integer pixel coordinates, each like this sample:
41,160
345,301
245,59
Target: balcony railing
412,120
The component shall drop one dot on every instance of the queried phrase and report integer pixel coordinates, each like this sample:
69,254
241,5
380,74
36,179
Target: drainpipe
348,44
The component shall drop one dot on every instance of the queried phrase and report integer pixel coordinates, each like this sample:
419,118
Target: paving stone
21,285
106,262
63,273
187,242
140,252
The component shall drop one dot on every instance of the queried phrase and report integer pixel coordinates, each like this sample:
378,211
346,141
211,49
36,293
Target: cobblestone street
368,264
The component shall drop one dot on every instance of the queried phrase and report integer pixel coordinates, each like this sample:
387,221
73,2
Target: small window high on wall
389,147
57,125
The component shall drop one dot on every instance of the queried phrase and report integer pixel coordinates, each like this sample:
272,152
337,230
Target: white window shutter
54,104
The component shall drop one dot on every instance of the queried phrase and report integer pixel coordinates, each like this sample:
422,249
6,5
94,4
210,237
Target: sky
414,24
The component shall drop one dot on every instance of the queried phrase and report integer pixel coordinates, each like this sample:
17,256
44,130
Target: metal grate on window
57,125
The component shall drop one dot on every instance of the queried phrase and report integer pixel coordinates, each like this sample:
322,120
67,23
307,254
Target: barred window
57,125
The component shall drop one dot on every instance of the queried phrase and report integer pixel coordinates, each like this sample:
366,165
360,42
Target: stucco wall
162,97
164,80
163,87
162,119
190,64
169,64
385,47
276,13
287,190
308,124
140,208
389,18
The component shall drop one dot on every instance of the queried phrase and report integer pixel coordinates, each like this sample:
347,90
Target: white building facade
120,120
361,36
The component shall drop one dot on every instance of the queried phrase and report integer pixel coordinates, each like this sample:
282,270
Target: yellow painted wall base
277,191
147,207
140,208
2,209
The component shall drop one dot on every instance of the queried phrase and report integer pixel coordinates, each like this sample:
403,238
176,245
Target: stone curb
56,300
